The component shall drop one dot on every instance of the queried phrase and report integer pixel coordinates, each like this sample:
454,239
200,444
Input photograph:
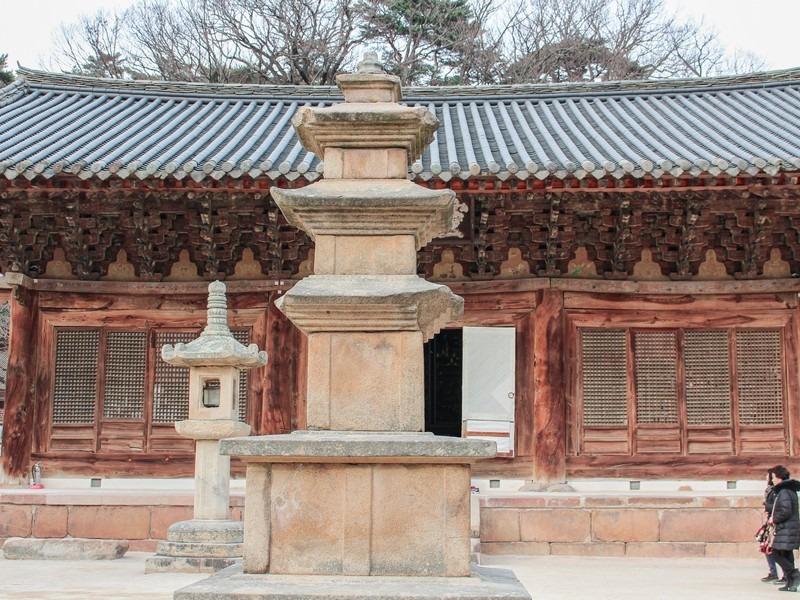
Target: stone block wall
620,525
142,517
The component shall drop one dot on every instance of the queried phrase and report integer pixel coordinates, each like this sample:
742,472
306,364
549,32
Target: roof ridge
44,79
13,90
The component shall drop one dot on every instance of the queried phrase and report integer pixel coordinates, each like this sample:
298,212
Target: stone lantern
211,540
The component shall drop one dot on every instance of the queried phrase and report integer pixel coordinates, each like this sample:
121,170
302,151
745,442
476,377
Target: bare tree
91,46
288,41
428,42
600,40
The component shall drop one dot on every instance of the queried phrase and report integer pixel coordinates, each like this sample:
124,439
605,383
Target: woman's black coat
786,516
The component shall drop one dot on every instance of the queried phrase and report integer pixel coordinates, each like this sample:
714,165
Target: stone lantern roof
216,346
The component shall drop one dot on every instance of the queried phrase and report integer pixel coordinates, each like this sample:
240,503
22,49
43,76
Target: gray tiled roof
90,127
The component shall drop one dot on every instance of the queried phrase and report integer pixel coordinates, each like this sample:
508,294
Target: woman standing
787,526
769,503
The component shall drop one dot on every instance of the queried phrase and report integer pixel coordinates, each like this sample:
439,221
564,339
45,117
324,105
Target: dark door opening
443,360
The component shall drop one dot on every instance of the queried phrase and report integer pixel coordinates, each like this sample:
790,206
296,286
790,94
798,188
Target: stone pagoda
364,504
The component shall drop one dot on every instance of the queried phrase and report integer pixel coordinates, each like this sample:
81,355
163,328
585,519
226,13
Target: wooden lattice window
243,337
656,375
707,373
171,383
75,388
125,366
758,377
686,391
604,376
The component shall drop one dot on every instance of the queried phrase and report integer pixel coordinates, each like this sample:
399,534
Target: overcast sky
766,27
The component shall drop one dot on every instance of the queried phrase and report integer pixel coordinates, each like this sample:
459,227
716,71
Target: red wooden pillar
20,383
283,408
549,401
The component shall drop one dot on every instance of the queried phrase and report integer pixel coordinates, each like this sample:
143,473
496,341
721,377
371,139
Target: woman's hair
769,478
780,472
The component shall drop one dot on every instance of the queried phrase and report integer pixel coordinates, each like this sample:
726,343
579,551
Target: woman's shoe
792,580
770,577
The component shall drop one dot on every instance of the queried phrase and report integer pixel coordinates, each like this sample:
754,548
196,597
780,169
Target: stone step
200,549
211,532
187,564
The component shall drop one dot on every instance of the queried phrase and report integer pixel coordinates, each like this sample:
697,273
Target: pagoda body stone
211,540
364,504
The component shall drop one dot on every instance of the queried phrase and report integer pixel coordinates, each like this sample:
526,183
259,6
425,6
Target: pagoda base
340,503
231,584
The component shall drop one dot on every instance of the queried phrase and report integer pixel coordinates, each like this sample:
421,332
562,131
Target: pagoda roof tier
336,303
367,207
98,128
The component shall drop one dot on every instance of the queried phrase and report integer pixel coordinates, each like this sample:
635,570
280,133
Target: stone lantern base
198,546
231,584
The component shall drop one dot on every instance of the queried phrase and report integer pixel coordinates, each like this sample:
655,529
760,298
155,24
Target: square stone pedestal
357,503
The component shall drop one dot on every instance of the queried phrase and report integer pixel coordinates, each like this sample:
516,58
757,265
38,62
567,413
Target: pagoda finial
217,320
370,64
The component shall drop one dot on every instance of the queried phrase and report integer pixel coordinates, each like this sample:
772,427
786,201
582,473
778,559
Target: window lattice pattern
758,377
126,362
604,359
243,337
75,389
708,390
5,324
171,383
656,364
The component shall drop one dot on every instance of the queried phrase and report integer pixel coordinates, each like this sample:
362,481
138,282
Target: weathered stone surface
733,550
339,446
625,525
210,531
162,517
199,549
376,519
351,366
577,549
511,548
211,429
216,345
500,525
15,520
370,303
372,207
555,526
198,546
484,584
187,564
709,525
116,522
354,163
665,549
365,255
63,549
366,125
50,522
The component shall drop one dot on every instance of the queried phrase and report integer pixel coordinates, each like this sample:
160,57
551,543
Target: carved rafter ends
79,230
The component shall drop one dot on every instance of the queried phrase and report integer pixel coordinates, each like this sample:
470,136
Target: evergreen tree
6,75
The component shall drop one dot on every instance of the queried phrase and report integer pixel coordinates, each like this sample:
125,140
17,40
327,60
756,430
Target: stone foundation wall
630,525
532,524
138,516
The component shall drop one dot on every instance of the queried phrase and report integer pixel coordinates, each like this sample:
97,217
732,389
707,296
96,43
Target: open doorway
443,378
469,384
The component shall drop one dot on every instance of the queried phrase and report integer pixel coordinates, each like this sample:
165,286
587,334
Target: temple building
628,254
